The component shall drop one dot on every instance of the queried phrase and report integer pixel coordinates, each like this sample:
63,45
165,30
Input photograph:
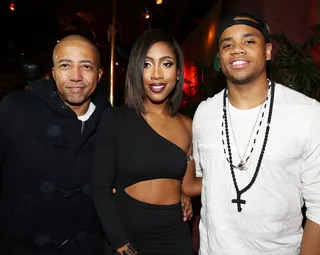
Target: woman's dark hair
135,92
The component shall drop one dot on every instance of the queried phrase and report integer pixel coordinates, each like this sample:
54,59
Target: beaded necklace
242,166
239,192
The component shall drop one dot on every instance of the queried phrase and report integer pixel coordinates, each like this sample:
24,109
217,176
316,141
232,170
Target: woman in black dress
144,150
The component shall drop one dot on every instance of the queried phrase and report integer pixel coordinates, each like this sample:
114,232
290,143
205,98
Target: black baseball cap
241,18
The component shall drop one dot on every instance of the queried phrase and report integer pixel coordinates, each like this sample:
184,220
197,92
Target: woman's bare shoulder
187,122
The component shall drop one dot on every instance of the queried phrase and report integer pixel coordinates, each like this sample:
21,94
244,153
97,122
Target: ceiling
35,21
31,31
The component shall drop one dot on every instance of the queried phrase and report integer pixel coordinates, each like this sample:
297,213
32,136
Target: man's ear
100,74
268,51
53,73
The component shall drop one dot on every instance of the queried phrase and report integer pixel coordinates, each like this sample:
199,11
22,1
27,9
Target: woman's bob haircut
135,92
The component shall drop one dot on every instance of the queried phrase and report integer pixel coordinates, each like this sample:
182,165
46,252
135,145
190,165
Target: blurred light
58,41
12,7
117,63
159,1
210,37
146,14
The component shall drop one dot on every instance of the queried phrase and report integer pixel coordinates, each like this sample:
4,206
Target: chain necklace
242,166
238,200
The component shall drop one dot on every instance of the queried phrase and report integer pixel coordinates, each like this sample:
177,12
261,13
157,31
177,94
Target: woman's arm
191,185
103,180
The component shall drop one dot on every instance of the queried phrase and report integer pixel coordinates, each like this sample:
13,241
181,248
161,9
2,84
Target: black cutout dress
129,151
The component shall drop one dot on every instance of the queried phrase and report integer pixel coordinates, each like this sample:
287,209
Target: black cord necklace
242,166
238,200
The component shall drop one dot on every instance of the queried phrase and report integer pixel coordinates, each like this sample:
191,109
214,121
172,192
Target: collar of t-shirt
89,112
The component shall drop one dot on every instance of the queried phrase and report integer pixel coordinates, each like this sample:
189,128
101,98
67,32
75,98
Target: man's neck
80,110
248,96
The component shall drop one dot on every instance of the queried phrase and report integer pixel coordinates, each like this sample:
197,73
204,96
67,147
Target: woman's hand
186,207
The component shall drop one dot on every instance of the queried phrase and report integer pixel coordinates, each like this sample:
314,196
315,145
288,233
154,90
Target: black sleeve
103,178
5,124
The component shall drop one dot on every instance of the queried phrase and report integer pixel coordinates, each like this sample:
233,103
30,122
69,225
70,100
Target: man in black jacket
46,158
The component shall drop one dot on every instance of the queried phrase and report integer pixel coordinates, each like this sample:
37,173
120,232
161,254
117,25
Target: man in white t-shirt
257,146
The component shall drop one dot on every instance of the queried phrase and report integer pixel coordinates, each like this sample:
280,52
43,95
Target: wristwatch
129,251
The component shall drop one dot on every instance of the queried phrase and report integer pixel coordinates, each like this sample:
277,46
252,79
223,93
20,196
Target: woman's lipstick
157,87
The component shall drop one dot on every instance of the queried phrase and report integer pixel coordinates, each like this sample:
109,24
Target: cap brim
216,63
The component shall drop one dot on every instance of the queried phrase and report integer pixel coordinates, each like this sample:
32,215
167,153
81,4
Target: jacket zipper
82,127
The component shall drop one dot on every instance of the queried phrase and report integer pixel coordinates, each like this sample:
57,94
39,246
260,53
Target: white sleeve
195,141
310,167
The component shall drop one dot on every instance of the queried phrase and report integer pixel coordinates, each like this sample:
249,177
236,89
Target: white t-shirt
270,221
88,114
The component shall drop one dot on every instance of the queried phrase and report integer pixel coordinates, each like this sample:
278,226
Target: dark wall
294,17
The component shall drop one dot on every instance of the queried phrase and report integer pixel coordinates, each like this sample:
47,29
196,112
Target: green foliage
293,65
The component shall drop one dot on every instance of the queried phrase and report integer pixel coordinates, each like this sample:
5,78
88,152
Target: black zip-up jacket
46,162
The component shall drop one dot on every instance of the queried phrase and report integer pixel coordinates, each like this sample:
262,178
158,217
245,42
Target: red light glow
12,7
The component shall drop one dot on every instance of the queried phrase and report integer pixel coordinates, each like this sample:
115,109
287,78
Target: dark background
29,33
